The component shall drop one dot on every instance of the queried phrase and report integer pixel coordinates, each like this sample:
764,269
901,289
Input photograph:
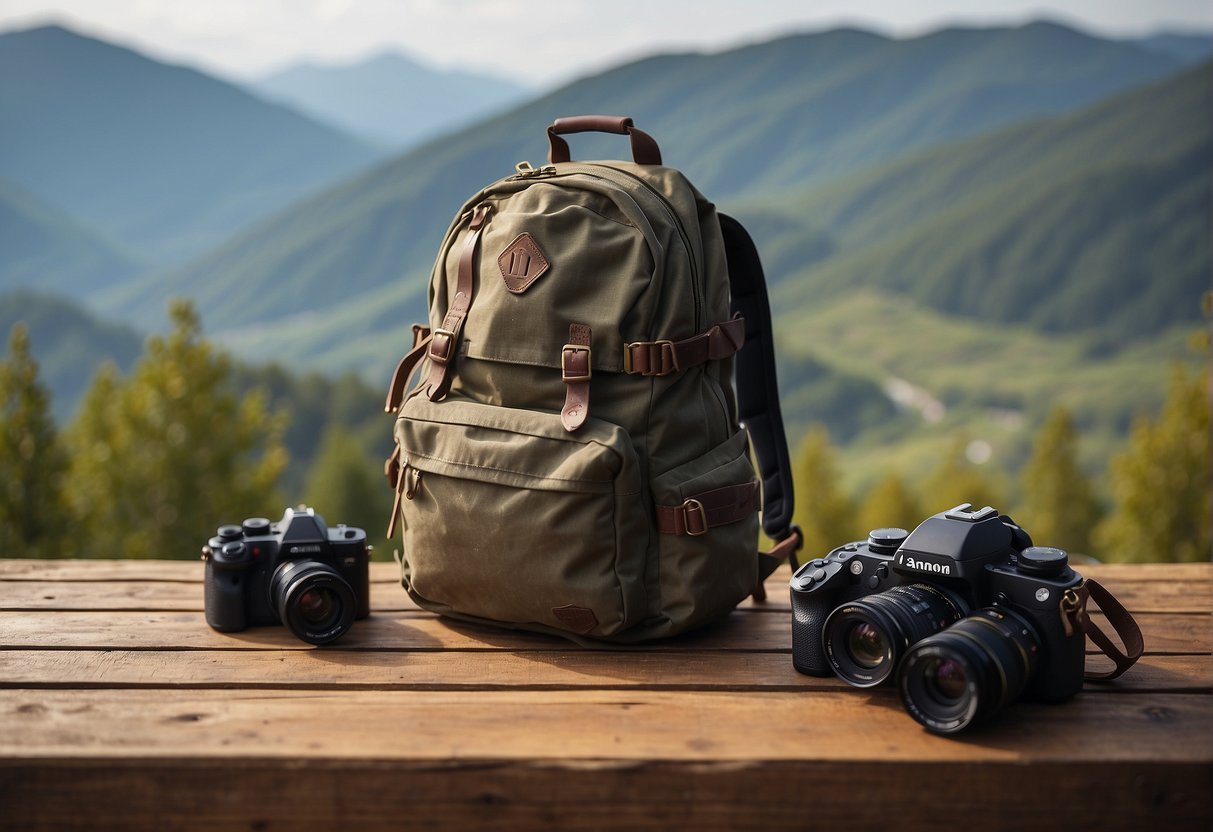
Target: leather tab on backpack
701,512
575,370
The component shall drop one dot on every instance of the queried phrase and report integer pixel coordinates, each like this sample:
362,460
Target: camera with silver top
297,572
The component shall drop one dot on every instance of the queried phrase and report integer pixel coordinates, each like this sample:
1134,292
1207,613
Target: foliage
32,462
955,480
346,486
1162,484
161,458
823,510
890,504
71,343
1059,506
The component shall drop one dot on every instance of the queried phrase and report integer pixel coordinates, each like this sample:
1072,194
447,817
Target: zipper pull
412,481
525,171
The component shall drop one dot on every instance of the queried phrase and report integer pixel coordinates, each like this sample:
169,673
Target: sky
538,42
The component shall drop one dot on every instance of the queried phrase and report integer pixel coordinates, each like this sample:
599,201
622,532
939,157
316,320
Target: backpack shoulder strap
758,393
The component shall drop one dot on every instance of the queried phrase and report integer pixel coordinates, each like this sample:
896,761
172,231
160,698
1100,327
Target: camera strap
1123,624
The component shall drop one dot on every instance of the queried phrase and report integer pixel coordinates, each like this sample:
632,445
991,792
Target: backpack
570,459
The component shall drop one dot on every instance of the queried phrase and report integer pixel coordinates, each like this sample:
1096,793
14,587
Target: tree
161,459
823,511
346,486
33,517
890,503
955,480
1162,484
1059,507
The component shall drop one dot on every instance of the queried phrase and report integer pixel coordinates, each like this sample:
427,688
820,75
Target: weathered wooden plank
188,630
492,796
588,725
1155,596
547,670
1165,633
388,572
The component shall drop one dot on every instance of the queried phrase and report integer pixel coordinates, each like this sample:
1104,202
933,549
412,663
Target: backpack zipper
667,206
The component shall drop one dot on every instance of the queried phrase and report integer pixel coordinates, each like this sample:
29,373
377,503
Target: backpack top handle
644,148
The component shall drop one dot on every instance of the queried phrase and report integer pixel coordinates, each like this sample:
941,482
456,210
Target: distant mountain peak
389,96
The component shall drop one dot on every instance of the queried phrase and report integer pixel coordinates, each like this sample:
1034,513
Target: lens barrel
968,672
313,600
864,639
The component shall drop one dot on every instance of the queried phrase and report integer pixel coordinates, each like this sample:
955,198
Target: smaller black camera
296,572
965,613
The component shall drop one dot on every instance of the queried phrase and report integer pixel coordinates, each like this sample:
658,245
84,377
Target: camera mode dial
1043,560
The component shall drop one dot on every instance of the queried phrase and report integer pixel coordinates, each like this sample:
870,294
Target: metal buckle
693,505
445,355
564,363
666,359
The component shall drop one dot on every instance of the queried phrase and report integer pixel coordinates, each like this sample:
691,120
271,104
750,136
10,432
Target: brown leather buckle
661,360
568,376
440,349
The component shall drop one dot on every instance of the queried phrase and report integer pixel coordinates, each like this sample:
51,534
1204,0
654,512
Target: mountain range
807,112
164,160
931,211
389,99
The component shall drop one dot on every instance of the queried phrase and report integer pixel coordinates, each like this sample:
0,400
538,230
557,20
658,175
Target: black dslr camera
296,572
966,613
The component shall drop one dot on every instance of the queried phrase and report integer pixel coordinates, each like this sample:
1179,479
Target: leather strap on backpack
575,370
444,341
406,368
758,398
662,358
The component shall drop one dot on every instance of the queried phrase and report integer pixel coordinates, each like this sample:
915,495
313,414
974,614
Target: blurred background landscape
987,242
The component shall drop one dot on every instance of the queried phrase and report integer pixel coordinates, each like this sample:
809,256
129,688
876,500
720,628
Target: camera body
296,572
957,565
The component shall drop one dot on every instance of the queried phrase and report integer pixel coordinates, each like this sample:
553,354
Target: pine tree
1059,507
33,517
823,511
1162,484
890,503
346,486
161,459
955,480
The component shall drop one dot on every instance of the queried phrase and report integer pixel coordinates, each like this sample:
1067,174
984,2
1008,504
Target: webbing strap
758,390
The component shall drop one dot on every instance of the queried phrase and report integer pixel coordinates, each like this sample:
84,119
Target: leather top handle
644,148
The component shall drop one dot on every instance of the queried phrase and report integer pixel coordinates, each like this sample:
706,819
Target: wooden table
122,710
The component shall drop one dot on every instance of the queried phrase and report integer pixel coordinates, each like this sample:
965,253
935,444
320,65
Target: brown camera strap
1123,624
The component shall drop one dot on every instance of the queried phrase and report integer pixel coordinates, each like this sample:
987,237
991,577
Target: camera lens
313,600
969,671
319,607
865,645
864,639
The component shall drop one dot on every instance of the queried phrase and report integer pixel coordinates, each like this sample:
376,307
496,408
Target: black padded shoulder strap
757,389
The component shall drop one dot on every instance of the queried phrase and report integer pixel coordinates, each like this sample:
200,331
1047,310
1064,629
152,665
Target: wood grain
1165,633
588,725
120,709
1156,596
569,669
191,795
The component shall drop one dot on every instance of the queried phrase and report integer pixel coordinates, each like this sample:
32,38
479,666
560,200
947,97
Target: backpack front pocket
510,518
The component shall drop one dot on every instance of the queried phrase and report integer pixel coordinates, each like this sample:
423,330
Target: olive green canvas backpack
570,458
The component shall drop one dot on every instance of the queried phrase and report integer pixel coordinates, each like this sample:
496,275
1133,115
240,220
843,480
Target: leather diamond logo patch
522,263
